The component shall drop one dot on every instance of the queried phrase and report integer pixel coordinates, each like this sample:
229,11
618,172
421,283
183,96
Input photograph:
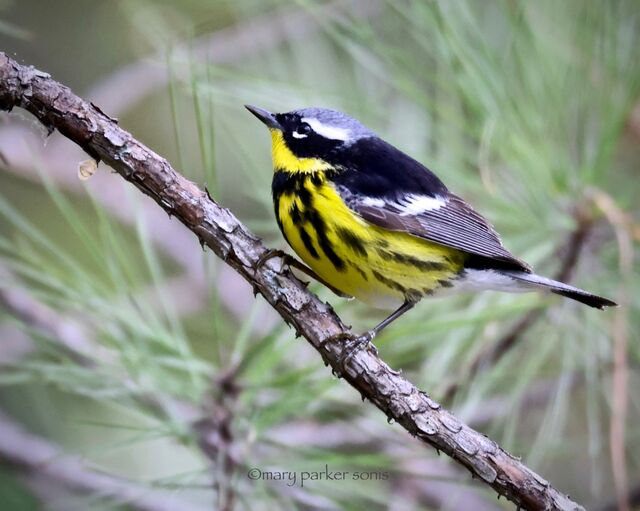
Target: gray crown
335,119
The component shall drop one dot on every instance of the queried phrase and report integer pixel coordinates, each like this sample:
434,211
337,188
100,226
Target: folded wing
445,219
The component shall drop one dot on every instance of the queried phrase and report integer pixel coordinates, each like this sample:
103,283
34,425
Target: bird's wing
388,188
446,220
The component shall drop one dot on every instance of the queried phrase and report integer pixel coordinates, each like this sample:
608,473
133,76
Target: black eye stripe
304,128
304,141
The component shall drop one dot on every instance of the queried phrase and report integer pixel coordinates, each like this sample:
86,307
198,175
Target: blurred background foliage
137,372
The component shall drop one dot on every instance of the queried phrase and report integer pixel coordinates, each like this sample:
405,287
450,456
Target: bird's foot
351,345
286,259
292,262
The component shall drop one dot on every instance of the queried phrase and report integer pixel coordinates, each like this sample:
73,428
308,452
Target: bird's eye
303,130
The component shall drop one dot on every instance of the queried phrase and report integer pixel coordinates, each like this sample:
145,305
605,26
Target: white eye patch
295,134
329,132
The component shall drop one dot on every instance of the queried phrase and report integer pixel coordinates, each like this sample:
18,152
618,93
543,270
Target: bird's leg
353,344
405,307
292,262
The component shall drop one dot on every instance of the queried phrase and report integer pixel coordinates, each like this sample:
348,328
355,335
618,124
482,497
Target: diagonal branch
131,83
56,107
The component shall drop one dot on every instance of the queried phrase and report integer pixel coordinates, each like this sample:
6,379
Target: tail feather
560,288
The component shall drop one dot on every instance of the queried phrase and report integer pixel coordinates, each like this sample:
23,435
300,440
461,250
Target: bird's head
311,139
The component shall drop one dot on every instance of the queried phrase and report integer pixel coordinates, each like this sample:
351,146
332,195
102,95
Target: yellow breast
375,265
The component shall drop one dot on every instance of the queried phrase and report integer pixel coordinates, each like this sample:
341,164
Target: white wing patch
416,204
329,132
410,205
373,202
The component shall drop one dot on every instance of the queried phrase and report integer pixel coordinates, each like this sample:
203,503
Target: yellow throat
284,159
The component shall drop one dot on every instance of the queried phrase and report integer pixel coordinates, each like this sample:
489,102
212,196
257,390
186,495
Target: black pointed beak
265,116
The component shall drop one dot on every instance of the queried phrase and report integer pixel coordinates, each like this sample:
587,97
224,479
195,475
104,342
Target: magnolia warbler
373,223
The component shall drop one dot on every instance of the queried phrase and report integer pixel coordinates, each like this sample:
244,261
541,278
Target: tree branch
56,107
127,86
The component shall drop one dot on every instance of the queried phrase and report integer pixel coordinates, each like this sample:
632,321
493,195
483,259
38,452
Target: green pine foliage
182,382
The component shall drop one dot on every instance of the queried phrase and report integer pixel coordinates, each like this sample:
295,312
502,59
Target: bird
371,222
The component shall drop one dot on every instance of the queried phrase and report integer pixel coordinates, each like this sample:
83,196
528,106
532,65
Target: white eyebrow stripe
416,204
330,132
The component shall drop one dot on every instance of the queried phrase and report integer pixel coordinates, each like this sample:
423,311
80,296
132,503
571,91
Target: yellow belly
375,265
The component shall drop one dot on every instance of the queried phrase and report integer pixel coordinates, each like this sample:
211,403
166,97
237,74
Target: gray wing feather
455,225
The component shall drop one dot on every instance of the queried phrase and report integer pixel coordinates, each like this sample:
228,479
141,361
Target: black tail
587,298
561,289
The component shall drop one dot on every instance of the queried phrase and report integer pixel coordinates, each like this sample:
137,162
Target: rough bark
56,107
